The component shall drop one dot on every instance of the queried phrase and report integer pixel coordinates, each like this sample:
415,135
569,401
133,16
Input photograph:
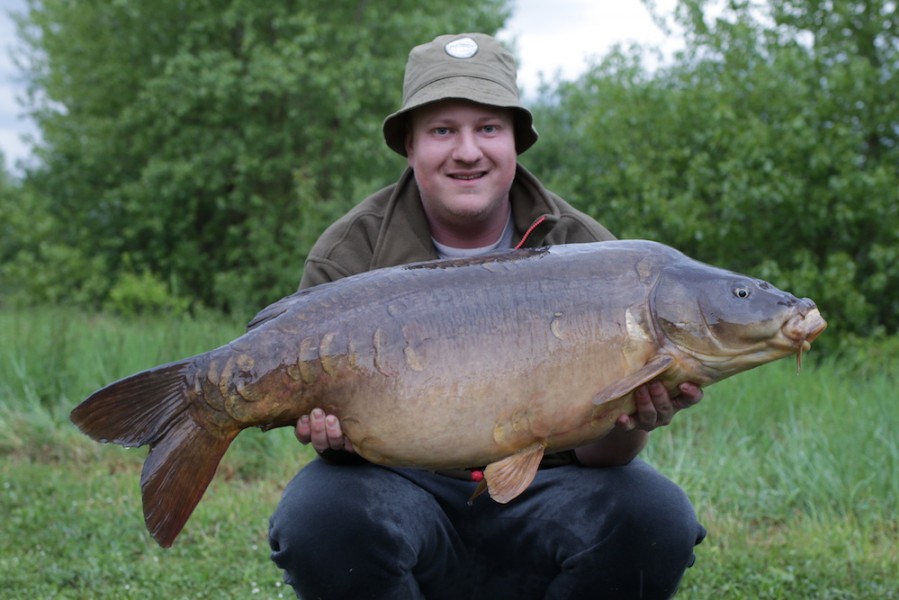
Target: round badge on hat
462,48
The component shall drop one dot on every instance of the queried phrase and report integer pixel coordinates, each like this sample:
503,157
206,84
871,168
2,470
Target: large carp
447,364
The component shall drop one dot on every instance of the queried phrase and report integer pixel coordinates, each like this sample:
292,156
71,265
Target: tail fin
153,407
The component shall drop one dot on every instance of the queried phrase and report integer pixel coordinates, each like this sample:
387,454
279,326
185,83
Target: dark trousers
369,532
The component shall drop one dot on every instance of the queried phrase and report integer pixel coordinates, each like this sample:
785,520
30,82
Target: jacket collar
533,212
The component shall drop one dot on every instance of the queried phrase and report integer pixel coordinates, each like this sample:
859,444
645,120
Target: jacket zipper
530,230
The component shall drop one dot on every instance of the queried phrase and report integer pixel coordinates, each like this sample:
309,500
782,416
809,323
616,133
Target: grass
796,478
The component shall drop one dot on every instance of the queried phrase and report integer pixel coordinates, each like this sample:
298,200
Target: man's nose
467,149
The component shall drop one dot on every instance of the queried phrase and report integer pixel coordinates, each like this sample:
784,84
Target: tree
768,146
184,139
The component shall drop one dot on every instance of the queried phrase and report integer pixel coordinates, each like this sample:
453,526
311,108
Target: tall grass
770,443
795,476
52,359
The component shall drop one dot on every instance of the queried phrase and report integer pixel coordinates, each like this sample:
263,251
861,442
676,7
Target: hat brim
472,89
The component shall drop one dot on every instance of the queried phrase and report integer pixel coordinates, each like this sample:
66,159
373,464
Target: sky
551,37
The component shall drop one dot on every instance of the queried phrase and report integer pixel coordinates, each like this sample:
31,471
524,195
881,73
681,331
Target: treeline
769,147
192,152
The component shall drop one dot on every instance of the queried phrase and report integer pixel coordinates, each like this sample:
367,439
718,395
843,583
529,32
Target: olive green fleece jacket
389,228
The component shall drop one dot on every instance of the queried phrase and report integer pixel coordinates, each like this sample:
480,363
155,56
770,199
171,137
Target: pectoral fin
645,374
507,478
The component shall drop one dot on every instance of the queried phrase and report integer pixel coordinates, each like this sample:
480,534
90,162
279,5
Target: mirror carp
451,364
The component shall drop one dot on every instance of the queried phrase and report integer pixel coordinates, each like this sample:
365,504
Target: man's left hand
655,407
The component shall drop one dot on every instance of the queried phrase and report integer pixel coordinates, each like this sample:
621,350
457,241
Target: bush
134,295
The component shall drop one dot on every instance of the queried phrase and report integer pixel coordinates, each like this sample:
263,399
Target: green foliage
174,134
769,146
36,263
141,294
204,146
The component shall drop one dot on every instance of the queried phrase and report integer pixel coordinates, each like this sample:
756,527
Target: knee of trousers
643,531
361,532
645,503
329,511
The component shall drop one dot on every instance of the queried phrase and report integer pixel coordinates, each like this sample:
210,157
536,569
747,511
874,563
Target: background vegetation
192,152
769,146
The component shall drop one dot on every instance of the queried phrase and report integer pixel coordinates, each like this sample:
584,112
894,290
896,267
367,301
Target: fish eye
742,292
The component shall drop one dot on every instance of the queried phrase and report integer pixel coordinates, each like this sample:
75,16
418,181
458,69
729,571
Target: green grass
796,477
76,531
797,480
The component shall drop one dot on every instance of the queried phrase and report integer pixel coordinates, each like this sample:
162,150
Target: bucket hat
466,66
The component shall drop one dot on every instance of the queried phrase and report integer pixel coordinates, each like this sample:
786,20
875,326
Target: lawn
795,476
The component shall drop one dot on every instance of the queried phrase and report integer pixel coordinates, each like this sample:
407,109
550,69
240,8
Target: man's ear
407,141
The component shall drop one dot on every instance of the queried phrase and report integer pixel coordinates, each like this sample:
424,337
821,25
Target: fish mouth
803,328
805,324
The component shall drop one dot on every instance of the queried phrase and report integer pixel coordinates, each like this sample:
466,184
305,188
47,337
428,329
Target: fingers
303,430
690,395
322,431
655,407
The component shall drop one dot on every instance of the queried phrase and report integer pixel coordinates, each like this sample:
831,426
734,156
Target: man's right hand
322,431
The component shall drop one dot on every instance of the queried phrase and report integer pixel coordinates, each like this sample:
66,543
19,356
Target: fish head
729,322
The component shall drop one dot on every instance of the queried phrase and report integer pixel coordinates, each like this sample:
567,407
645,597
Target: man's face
464,159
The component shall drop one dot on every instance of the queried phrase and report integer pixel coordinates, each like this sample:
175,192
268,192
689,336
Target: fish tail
154,408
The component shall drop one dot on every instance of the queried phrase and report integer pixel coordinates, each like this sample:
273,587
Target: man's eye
441,130
489,128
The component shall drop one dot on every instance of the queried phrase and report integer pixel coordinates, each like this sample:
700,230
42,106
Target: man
596,522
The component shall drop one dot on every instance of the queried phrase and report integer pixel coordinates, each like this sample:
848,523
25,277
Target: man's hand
656,408
323,431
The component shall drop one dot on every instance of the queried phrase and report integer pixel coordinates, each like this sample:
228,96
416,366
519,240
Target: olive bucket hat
467,66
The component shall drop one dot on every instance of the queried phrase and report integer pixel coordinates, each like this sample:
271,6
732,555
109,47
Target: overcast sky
551,37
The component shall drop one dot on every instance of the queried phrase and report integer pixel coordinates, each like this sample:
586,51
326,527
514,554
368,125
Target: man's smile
468,176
